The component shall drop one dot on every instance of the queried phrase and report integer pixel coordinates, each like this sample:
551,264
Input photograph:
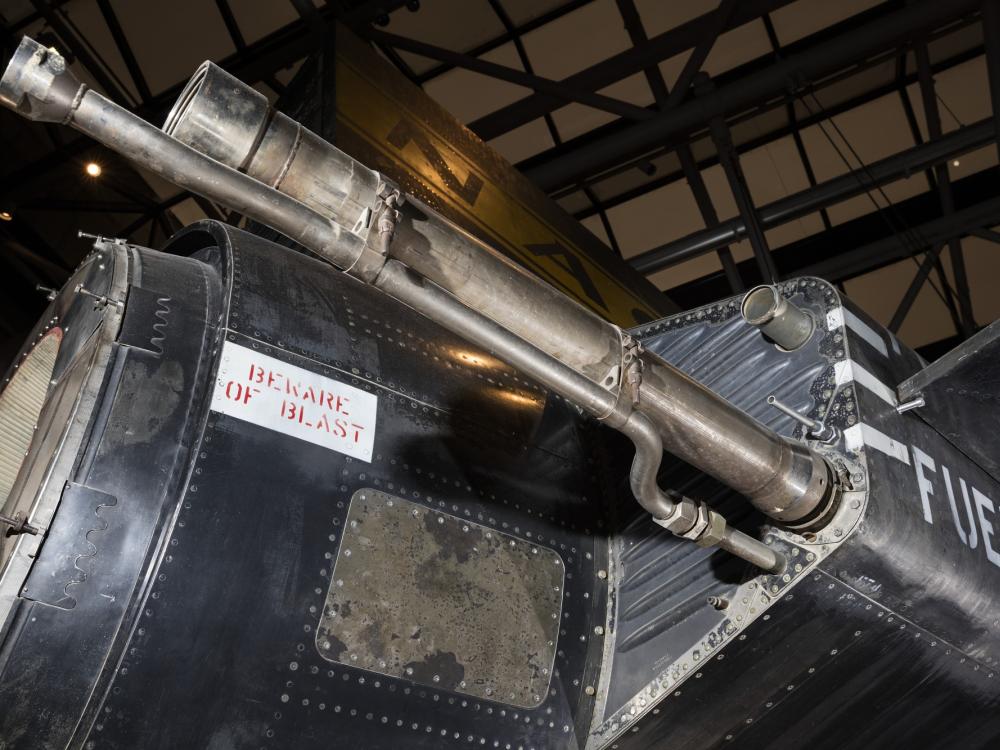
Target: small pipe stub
778,319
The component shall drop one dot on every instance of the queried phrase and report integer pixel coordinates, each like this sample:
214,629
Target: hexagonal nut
714,531
683,520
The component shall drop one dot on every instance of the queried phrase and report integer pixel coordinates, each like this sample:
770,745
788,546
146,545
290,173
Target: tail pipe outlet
780,321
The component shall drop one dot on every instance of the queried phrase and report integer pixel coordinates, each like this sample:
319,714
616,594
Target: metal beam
565,92
151,214
987,234
827,193
811,64
928,264
125,50
232,26
800,147
654,77
911,120
730,162
991,37
508,36
933,117
847,105
869,242
618,67
889,249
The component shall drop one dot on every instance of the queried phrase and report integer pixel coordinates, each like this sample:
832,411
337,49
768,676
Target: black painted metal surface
961,391
197,615
891,641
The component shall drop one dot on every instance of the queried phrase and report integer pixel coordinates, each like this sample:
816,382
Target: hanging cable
910,238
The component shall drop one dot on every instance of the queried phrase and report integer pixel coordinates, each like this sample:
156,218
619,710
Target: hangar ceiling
589,99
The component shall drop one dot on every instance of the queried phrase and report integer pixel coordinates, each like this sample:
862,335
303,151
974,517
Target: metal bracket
375,252
624,380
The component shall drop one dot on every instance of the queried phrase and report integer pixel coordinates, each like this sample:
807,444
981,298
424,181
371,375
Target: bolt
602,574
718,602
599,630
589,690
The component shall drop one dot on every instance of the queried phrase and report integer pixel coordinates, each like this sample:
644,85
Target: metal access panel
428,596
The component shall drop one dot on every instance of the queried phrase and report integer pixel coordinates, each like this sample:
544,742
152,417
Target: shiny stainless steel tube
778,319
785,480
403,284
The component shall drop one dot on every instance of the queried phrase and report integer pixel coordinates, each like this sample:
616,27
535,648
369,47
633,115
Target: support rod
991,36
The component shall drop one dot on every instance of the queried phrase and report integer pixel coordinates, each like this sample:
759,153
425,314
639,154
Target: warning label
268,392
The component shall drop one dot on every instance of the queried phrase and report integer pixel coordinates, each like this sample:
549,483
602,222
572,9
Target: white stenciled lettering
922,461
982,503
973,534
970,539
979,508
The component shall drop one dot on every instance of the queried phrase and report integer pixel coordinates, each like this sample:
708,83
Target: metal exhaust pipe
766,308
292,159
350,216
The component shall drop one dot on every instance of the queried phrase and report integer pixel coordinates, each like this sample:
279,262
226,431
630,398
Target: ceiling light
93,169
6,216
955,163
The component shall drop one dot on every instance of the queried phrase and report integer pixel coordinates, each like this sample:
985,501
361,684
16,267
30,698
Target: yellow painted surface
500,218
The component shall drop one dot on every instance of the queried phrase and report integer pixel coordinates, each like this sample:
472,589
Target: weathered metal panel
428,596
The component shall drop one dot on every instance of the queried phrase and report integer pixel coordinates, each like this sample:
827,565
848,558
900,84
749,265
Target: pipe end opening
760,305
179,112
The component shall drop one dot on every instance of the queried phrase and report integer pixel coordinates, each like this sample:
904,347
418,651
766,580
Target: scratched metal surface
425,595
664,582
